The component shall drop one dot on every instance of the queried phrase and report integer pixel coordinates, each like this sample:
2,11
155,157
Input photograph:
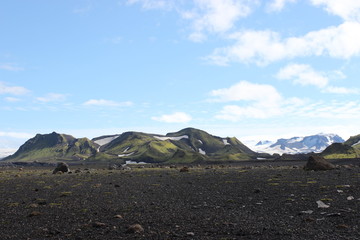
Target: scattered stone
34,205
34,213
98,225
190,234
342,226
135,228
118,216
77,171
333,215
61,167
349,198
307,212
125,168
112,167
321,204
348,166
184,169
257,190
318,163
41,202
310,219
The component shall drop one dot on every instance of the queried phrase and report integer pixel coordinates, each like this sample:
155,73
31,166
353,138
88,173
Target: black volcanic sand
215,203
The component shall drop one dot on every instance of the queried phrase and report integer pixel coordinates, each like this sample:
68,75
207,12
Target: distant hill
348,149
54,147
185,146
299,145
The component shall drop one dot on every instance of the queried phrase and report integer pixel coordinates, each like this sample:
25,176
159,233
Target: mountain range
298,145
188,145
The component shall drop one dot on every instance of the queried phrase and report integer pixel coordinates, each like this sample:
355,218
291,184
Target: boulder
61,167
135,228
318,163
184,169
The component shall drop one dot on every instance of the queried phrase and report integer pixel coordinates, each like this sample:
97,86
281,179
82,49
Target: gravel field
237,202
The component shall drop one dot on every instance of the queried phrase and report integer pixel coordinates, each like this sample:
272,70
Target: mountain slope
52,147
349,149
140,147
185,146
314,143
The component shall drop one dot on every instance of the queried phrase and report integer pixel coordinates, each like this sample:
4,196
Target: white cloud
13,90
341,90
197,37
177,117
258,111
12,99
246,91
10,67
328,110
205,16
153,4
106,103
304,75
349,10
259,101
264,47
114,40
84,9
20,135
216,16
278,5
52,97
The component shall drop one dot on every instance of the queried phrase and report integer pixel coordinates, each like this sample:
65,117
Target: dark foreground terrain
204,203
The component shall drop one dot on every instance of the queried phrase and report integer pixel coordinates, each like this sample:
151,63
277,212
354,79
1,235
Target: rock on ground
318,163
61,167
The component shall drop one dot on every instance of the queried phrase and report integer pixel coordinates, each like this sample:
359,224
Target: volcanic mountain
54,147
187,145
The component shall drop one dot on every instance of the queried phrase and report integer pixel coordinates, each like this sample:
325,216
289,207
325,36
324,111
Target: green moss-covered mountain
186,146
348,149
54,147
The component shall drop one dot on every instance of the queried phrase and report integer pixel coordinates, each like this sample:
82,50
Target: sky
253,69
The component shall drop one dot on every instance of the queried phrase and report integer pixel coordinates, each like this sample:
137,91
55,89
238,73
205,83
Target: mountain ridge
186,145
299,145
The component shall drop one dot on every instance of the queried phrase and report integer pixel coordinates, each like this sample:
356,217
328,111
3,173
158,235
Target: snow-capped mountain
314,143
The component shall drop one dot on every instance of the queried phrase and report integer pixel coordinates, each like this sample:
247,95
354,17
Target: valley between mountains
188,145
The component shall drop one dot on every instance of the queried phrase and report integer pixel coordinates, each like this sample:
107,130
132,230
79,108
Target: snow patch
171,138
356,144
106,140
127,149
200,141
126,155
296,139
202,151
133,162
225,141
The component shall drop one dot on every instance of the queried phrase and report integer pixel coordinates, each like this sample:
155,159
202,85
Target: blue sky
247,68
